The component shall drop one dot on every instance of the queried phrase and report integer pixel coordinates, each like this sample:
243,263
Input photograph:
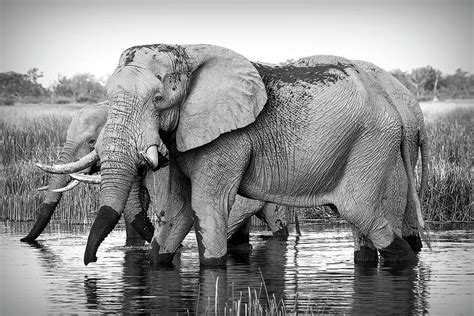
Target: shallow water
49,277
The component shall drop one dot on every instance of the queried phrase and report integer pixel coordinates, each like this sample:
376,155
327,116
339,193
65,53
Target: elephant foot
366,255
134,242
238,240
282,232
160,259
220,262
398,251
142,225
415,242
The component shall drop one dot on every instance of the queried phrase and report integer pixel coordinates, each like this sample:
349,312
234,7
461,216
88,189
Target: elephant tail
411,182
424,163
417,198
423,144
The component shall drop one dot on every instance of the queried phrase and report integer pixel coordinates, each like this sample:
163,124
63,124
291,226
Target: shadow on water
309,273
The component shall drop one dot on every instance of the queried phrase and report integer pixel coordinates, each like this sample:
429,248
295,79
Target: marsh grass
449,194
256,302
36,133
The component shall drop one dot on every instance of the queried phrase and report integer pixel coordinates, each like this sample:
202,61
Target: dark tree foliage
14,85
81,87
429,83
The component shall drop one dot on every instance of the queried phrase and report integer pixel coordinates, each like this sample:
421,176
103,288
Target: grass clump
449,194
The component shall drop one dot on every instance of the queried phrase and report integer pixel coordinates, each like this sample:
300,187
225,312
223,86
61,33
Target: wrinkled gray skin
328,134
81,138
82,135
397,206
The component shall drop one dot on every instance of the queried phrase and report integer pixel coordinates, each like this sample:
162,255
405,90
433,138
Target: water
50,277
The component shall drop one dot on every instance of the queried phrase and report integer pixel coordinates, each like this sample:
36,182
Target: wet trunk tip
45,212
105,221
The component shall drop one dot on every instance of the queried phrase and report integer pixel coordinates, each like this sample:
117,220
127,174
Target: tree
286,62
16,85
83,87
433,83
419,77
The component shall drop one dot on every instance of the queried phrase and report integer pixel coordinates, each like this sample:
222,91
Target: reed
33,133
449,194
257,302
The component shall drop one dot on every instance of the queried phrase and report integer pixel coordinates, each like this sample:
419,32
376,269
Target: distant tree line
25,88
426,83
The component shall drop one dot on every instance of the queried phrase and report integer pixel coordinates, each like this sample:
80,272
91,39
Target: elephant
81,137
320,131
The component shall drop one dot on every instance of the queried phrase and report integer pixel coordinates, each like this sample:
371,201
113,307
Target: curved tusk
156,156
87,178
150,157
86,161
71,185
43,188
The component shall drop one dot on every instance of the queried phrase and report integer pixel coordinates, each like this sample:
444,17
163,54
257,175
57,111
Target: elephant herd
211,139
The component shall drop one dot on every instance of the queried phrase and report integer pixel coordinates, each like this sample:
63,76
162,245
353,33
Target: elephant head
161,98
81,137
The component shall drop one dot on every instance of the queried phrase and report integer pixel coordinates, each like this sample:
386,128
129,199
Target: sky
84,36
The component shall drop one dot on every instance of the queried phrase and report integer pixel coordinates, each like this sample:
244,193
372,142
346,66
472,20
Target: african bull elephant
320,131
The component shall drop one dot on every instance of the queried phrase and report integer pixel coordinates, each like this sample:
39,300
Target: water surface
311,272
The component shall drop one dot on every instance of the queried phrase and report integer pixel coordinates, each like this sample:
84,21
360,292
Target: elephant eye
91,142
157,97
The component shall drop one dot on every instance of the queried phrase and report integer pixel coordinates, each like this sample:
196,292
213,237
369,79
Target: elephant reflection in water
383,291
188,288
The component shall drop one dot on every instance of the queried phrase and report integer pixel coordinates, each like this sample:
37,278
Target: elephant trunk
137,206
51,199
118,171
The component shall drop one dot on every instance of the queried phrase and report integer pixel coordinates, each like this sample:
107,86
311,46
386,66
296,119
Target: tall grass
29,134
255,302
449,194
33,133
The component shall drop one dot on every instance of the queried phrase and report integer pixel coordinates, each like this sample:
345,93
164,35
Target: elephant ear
226,93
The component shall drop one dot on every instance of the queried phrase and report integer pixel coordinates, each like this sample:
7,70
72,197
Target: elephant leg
381,234
137,222
364,250
242,210
175,219
133,238
276,218
399,209
211,233
240,239
170,232
363,200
